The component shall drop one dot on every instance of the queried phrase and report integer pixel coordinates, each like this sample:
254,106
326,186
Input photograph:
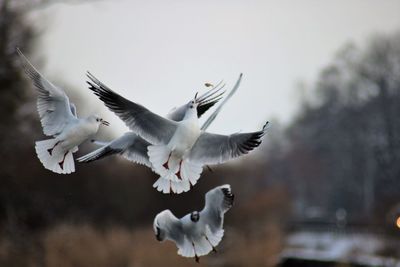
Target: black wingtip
229,197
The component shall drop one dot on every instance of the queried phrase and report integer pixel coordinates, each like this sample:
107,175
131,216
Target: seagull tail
167,186
172,169
163,163
191,171
54,158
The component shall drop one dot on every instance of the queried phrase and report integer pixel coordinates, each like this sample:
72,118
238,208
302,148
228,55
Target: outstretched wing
139,119
130,146
218,201
168,227
52,104
215,148
212,117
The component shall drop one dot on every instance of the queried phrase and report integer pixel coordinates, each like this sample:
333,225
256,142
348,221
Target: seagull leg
213,248
61,163
165,165
50,150
197,259
178,174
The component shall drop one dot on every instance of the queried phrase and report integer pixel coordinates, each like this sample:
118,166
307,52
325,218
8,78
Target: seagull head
195,216
98,120
210,97
195,102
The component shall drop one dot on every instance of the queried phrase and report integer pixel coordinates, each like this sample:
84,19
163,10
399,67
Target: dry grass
68,245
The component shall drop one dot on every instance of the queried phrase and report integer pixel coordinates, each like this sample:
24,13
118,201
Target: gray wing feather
139,119
178,113
130,146
215,148
172,226
52,104
218,201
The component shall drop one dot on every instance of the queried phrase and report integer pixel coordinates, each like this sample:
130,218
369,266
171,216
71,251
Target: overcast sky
159,53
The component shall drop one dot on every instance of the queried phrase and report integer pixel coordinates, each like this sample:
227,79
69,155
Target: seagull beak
106,123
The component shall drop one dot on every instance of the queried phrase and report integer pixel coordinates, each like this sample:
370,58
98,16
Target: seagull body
178,150
59,120
197,233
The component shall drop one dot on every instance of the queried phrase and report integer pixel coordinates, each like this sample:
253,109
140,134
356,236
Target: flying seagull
180,149
134,148
197,233
59,120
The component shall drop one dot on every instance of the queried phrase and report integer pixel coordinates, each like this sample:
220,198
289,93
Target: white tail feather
178,170
191,171
158,156
167,186
51,161
186,249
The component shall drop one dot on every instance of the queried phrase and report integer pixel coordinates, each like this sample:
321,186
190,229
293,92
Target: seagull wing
215,148
218,201
167,226
139,119
130,146
212,117
52,104
207,101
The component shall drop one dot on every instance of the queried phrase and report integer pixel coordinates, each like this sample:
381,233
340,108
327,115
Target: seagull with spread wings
180,149
197,233
59,120
134,148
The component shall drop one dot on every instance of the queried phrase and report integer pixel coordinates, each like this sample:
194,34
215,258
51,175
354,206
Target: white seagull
180,149
134,148
197,233
59,120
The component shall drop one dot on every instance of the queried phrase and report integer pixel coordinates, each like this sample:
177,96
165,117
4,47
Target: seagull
134,148
197,233
59,120
180,149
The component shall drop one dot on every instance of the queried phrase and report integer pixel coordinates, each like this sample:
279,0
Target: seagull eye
191,106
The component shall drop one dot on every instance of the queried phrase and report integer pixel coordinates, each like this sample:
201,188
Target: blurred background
322,190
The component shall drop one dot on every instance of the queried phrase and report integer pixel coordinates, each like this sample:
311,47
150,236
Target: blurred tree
344,145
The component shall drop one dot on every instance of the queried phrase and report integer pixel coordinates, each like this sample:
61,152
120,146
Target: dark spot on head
195,216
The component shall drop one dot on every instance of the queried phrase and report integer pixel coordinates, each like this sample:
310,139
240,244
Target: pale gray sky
159,53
